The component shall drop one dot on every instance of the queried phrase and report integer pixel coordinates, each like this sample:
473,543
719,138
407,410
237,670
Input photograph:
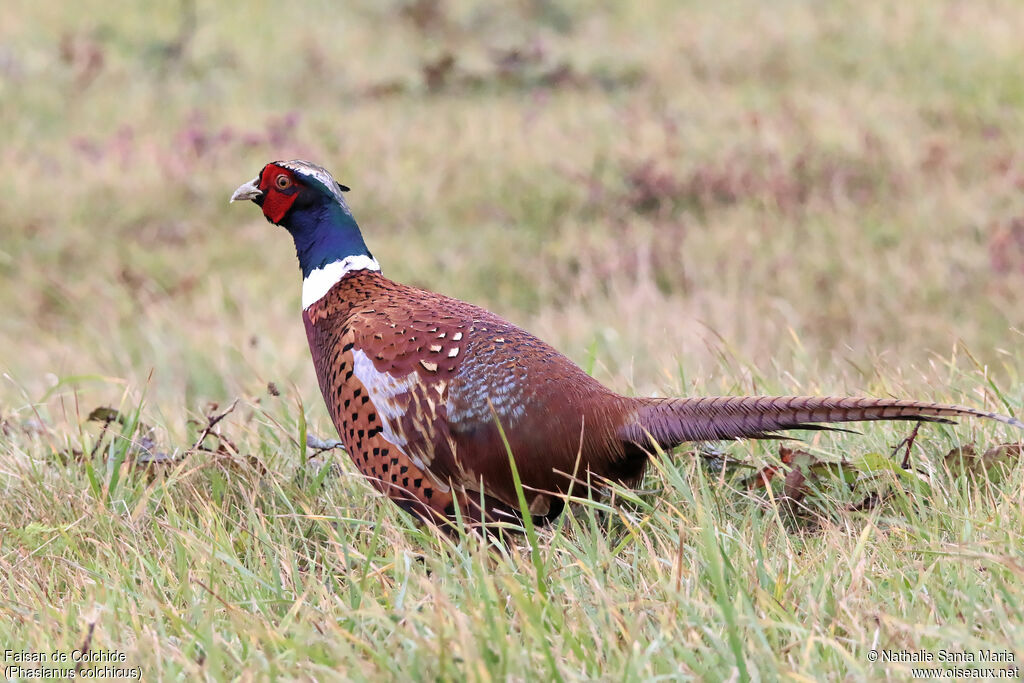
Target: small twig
870,503
99,441
216,597
909,443
84,647
225,446
318,445
211,422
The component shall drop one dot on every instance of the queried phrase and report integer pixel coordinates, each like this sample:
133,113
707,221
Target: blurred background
736,196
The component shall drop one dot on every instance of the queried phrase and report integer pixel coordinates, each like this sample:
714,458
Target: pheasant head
305,200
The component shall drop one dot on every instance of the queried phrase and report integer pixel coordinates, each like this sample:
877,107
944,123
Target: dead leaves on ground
801,472
135,438
529,67
806,477
798,480
994,464
126,440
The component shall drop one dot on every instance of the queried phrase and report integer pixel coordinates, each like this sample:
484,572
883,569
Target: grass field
686,198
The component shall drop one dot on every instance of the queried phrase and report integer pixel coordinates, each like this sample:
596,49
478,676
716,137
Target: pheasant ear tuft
343,188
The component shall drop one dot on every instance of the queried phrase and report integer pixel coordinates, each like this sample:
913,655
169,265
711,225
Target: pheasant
430,395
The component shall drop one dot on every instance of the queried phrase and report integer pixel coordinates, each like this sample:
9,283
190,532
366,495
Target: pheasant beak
249,190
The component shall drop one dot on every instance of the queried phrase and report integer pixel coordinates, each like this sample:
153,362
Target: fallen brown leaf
993,463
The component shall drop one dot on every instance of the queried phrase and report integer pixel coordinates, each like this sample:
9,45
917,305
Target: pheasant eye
283,182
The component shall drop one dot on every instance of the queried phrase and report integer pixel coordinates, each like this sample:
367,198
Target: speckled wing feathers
437,373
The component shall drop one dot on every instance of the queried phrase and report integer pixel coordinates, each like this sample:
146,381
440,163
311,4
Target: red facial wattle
276,200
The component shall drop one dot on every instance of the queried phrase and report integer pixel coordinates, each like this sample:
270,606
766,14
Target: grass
687,199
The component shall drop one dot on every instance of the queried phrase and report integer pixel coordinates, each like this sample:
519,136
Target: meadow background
686,198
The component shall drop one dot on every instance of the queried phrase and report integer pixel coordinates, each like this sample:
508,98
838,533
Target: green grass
703,198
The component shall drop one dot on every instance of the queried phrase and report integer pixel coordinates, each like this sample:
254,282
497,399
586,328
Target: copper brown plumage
425,390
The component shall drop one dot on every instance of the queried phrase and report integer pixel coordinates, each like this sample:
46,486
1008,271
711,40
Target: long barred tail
671,421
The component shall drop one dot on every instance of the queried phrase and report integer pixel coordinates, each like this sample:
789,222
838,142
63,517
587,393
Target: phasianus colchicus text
425,390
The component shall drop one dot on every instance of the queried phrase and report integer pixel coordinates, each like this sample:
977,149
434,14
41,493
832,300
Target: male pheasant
425,390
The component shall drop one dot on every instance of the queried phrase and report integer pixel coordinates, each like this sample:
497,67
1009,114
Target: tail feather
672,421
